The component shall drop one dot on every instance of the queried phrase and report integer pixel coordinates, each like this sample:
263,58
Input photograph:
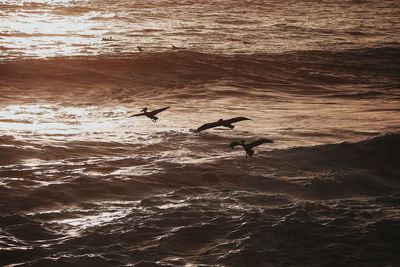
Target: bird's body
150,114
249,147
221,122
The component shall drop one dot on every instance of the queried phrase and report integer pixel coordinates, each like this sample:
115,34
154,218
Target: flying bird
249,147
221,122
140,49
150,114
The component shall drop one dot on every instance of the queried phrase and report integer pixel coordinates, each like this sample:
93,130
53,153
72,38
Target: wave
191,73
366,168
367,95
378,152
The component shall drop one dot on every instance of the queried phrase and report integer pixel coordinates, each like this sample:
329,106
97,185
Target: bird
221,122
140,49
249,147
150,114
175,47
107,39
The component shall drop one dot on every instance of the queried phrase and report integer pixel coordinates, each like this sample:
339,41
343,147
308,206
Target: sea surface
84,184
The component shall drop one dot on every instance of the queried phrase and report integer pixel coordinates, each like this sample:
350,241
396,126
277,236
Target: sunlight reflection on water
172,135
65,28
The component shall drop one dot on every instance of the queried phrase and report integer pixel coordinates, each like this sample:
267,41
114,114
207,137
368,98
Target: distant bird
175,47
150,114
140,49
107,39
246,42
221,122
249,147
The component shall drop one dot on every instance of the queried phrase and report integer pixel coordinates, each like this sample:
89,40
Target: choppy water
83,184
46,28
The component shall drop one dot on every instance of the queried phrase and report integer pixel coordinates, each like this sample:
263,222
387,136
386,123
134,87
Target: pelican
150,114
140,49
221,122
249,147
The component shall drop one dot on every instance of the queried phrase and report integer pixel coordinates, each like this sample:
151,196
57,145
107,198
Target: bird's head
144,110
220,120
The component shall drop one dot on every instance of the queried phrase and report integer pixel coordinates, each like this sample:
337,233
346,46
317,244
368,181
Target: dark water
83,184
327,205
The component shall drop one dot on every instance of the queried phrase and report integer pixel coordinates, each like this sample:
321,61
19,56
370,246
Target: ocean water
84,184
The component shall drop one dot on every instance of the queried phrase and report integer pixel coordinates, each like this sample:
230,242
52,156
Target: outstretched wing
155,112
236,119
208,126
233,144
260,142
138,114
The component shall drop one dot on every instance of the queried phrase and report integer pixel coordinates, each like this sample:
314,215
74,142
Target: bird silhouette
249,147
221,122
150,114
140,49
